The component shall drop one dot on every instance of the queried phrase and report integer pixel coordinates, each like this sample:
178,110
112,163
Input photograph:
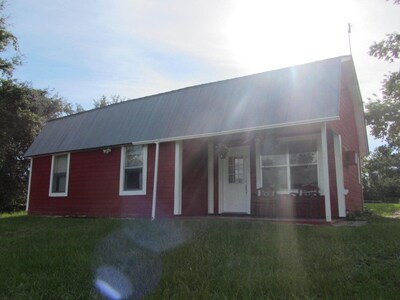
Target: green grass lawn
74,258
384,209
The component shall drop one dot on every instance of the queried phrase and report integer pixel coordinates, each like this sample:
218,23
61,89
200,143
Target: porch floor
302,221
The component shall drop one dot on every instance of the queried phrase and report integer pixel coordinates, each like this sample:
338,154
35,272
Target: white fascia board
242,130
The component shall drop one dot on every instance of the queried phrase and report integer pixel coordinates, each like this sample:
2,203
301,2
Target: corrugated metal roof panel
290,95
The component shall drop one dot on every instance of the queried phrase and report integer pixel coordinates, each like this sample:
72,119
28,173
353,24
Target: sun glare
268,34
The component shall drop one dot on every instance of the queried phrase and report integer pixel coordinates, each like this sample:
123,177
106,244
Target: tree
7,41
104,101
381,177
383,113
23,112
79,108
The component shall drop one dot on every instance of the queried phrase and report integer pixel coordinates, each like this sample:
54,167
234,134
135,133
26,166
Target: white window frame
123,192
288,165
62,194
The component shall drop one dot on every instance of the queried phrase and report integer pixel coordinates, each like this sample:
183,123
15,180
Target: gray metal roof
294,95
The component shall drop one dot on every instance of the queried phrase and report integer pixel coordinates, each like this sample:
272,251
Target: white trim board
29,185
256,128
337,147
210,178
325,170
122,192
178,179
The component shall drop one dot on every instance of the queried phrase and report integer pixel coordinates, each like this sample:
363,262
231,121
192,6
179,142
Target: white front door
235,181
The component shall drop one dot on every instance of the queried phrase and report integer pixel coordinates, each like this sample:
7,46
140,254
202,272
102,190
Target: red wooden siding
195,177
346,127
166,180
94,185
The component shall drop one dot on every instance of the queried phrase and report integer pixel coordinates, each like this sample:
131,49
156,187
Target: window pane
273,154
59,174
60,163
307,145
133,179
133,156
273,160
236,169
275,177
59,182
301,175
273,147
303,152
303,158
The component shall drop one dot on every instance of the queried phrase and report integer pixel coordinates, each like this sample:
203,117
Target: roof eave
208,135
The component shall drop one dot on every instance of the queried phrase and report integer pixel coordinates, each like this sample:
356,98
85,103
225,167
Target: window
59,175
288,165
133,170
236,169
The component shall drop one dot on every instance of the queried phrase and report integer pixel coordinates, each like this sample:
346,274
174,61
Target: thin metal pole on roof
348,33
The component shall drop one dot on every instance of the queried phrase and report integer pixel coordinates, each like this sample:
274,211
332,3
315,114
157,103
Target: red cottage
285,144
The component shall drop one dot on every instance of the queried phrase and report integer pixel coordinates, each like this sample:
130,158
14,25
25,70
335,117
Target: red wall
346,127
94,185
195,177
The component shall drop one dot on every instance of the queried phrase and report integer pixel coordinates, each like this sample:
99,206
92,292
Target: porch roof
302,94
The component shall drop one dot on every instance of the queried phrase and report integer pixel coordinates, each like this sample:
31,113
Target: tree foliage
383,113
23,112
381,175
7,41
104,101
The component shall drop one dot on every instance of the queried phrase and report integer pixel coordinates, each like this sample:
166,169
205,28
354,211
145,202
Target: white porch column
153,208
337,143
210,177
29,185
178,179
325,170
258,165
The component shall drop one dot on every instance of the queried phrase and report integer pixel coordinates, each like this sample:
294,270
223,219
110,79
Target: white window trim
122,192
288,165
64,194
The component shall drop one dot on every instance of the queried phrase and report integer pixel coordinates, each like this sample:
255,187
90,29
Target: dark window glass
275,177
236,169
60,166
133,179
301,175
133,175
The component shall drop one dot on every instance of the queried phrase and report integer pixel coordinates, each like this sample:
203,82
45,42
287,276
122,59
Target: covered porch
235,174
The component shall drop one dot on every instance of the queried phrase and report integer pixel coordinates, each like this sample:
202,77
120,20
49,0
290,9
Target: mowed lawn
79,258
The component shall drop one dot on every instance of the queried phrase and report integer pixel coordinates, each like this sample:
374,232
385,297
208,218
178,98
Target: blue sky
84,49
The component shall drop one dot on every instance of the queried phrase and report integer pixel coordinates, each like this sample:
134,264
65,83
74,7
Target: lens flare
112,284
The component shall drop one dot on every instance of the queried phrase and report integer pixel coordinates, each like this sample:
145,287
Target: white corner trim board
325,166
178,179
153,207
211,178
